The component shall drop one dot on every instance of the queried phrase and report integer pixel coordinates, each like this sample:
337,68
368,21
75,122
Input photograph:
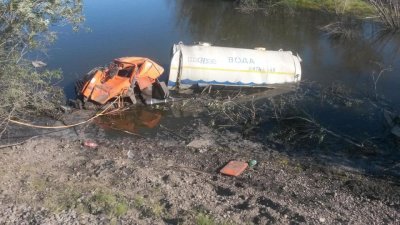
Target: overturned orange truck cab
125,77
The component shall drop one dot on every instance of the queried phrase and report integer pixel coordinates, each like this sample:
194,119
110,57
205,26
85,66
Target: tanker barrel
215,65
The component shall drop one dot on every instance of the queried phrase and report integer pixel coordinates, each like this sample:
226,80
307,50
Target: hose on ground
66,126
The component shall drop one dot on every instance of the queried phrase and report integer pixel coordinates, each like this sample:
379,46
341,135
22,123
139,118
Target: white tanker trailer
204,64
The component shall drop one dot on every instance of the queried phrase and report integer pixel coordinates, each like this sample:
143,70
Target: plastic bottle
252,163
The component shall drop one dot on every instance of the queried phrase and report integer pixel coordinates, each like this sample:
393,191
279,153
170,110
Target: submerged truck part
124,77
206,64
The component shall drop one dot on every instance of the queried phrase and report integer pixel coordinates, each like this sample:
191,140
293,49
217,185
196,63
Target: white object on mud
38,64
206,64
130,154
90,144
200,143
65,109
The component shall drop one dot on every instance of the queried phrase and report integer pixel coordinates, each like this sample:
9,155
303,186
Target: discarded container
90,144
38,64
252,163
204,65
65,109
153,101
234,168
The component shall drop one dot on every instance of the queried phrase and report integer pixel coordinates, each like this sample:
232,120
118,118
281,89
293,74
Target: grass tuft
204,219
107,203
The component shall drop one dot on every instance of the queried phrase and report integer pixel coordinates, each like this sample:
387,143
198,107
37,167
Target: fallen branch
174,133
323,129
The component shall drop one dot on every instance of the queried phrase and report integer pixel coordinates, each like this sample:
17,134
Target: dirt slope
160,180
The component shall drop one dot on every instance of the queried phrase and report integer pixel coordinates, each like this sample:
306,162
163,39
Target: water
149,28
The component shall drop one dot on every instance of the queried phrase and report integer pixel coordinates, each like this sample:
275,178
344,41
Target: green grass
138,202
356,7
283,161
148,207
204,219
107,203
157,209
59,199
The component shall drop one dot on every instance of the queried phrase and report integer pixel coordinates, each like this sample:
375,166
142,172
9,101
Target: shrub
388,12
25,26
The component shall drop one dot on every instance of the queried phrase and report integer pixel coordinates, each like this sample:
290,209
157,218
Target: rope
65,126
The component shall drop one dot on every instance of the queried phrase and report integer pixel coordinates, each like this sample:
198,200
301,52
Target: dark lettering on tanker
242,60
257,69
202,60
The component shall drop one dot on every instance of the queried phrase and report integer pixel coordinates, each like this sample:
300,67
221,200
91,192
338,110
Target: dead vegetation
388,12
26,91
292,119
249,5
342,29
238,114
299,125
376,76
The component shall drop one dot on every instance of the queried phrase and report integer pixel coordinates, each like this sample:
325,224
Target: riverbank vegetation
336,6
25,27
388,12
385,11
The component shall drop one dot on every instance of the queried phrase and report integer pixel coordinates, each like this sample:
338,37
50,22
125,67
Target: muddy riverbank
171,177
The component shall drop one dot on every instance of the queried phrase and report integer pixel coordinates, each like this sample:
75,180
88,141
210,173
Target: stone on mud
200,143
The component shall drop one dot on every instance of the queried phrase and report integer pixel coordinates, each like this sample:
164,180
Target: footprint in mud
166,178
221,191
173,221
264,218
108,165
294,217
269,203
167,204
243,206
239,185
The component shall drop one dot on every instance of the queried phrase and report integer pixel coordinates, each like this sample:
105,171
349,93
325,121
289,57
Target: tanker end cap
260,49
203,43
298,57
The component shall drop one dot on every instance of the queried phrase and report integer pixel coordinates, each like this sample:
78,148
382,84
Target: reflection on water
133,120
150,27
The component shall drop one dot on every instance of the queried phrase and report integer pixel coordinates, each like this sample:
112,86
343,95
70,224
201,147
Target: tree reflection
325,59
